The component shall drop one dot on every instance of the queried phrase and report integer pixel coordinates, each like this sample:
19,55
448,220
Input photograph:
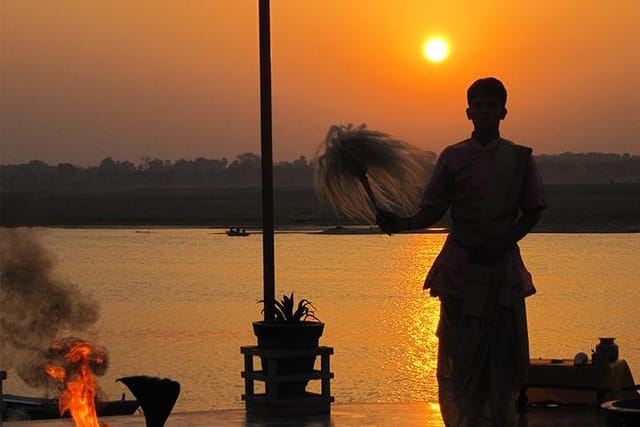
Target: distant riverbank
572,208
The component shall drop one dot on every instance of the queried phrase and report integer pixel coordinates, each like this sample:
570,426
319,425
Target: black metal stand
270,403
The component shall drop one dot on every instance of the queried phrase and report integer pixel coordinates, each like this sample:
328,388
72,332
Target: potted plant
295,327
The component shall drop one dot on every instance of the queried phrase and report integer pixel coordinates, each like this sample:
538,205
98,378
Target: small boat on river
237,232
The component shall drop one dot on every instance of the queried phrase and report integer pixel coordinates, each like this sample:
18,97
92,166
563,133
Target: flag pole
267,161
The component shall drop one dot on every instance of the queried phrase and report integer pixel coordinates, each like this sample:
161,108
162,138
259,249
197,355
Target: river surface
179,303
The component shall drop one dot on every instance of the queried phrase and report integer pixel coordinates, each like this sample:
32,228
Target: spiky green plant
286,311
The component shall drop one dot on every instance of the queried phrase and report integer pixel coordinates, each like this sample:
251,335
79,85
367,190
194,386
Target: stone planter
289,336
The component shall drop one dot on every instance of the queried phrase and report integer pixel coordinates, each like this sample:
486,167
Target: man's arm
437,193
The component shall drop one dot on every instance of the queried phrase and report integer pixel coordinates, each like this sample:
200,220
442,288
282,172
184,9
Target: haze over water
179,303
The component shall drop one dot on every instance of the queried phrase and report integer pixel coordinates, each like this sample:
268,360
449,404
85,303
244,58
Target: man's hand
388,221
392,223
492,251
496,248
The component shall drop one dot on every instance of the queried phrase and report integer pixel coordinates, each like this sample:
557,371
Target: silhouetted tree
244,171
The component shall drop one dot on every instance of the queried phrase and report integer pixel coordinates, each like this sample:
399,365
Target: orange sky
82,80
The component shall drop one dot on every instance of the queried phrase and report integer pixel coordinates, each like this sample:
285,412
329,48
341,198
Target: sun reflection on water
415,318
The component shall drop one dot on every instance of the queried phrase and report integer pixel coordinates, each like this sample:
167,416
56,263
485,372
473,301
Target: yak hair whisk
361,171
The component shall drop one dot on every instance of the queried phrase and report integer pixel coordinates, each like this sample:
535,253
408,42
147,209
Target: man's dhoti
483,351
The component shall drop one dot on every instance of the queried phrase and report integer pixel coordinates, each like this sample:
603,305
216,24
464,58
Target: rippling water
179,303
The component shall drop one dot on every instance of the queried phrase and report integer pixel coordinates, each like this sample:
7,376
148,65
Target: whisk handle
365,184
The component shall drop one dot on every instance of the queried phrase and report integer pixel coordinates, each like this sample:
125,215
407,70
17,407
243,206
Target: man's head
486,99
487,87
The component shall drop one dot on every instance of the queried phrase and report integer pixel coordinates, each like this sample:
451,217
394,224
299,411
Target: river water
179,303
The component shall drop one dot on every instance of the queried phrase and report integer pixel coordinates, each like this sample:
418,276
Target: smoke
37,307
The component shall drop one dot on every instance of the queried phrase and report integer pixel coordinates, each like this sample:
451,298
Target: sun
436,49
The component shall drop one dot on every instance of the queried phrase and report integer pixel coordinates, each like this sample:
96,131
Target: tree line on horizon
245,171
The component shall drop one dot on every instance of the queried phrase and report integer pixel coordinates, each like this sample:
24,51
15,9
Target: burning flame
73,365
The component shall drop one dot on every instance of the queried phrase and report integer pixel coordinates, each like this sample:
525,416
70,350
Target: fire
73,365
